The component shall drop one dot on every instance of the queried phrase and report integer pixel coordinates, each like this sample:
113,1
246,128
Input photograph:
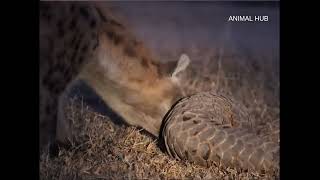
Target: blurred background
238,59
177,26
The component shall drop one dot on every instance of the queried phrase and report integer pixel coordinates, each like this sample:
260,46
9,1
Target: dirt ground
111,151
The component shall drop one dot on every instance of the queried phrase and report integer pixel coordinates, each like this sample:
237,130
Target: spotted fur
84,40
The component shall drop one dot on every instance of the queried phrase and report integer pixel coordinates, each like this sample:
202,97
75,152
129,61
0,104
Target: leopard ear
182,64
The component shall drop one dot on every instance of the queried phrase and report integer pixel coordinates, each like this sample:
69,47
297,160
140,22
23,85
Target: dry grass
109,151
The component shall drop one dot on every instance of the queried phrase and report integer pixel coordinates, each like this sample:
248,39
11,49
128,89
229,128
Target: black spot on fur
54,115
56,88
73,56
76,47
61,31
84,48
59,67
94,37
93,23
110,34
96,44
117,39
72,24
80,59
135,42
72,8
60,23
68,74
130,51
45,80
49,17
73,40
53,82
48,109
144,62
84,12
68,78
78,42
61,54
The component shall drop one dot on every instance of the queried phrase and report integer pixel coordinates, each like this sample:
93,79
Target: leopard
84,40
